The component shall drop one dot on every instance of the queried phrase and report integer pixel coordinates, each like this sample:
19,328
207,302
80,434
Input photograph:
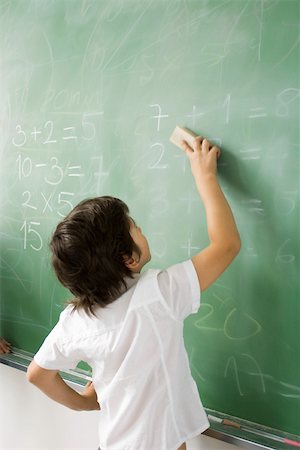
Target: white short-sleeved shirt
148,398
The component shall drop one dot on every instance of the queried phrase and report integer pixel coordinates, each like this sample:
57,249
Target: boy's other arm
224,238
51,384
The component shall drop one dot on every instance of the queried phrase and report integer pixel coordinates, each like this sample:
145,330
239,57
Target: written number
20,139
24,167
30,232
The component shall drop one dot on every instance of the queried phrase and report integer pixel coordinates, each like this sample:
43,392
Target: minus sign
253,116
251,157
40,165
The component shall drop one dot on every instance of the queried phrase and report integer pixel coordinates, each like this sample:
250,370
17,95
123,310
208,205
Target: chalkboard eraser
182,134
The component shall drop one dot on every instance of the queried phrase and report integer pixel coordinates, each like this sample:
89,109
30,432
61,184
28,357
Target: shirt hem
193,434
182,440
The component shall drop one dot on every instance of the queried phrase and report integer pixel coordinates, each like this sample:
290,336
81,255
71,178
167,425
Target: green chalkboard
90,93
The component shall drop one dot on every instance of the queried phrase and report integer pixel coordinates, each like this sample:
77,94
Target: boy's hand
4,346
203,157
90,396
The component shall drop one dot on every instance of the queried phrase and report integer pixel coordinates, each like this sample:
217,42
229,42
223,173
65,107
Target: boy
129,327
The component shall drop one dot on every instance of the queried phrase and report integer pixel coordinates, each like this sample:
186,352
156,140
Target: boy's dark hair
88,249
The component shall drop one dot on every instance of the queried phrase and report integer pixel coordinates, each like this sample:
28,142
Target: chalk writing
56,173
251,154
89,125
251,251
195,114
238,365
257,113
27,204
282,256
50,202
160,151
190,248
24,167
20,139
254,205
285,99
199,322
65,201
260,21
100,175
226,105
259,373
47,202
231,363
49,126
295,390
60,101
30,232
35,133
69,133
285,201
250,325
50,133
75,171
159,115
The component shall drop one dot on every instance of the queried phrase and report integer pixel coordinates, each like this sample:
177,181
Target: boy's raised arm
222,231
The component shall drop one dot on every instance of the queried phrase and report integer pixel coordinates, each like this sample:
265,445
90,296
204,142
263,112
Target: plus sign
189,247
194,115
34,133
100,174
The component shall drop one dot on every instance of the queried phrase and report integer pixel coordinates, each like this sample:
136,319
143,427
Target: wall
29,420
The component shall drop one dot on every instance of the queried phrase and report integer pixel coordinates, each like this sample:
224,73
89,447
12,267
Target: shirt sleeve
180,288
54,354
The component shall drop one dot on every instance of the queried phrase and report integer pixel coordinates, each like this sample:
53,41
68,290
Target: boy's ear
131,262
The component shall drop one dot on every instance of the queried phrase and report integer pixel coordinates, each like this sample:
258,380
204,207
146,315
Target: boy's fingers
197,143
200,144
185,147
205,146
216,150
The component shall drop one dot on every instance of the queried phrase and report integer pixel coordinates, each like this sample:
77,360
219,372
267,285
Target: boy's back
144,325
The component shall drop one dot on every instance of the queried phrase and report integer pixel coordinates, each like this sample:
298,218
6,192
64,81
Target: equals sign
255,206
250,153
77,174
251,251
